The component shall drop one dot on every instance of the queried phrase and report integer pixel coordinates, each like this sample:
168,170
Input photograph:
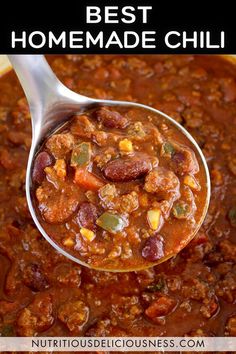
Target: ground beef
60,144
74,314
37,317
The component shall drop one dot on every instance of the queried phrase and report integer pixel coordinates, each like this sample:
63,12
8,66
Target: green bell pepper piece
81,154
181,210
168,148
111,222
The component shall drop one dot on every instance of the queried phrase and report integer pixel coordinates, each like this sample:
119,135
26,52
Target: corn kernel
88,234
60,168
126,145
154,218
191,182
48,170
51,175
68,242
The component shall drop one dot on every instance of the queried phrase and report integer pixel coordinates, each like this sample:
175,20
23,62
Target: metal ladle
51,103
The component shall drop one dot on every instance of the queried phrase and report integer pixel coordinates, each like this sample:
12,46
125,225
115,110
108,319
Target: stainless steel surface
51,103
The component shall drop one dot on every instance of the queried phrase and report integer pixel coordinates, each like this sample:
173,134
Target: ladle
51,103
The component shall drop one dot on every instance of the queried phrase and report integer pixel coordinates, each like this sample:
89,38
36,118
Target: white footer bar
138,344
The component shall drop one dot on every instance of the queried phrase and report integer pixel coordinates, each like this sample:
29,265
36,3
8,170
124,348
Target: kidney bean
153,248
111,119
128,168
34,278
184,161
87,215
42,160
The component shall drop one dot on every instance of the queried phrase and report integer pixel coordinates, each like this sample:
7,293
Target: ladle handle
50,102
37,79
